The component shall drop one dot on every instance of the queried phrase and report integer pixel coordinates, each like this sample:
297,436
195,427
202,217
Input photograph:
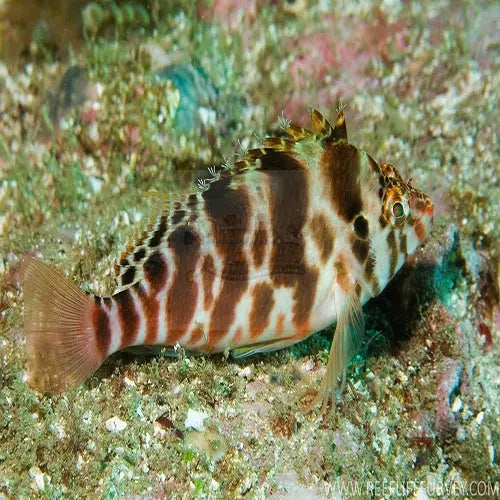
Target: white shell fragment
115,424
195,420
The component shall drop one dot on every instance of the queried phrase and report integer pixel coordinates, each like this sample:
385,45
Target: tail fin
59,331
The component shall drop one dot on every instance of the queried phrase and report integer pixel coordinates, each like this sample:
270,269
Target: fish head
405,208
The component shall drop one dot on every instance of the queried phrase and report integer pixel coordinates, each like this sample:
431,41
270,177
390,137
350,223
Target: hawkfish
298,234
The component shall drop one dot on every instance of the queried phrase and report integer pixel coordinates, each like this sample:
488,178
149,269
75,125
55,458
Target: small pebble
115,424
38,478
129,382
195,420
461,434
480,418
457,405
245,372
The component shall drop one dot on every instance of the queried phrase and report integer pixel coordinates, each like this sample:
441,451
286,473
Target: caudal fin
59,331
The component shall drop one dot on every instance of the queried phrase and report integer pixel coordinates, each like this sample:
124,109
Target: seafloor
101,102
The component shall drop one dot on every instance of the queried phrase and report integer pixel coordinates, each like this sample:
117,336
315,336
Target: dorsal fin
340,130
321,124
324,132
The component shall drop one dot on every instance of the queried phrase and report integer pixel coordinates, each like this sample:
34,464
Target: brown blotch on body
237,337
304,296
323,235
370,275
403,244
340,165
129,319
228,209
102,330
342,277
196,334
262,305
288,182
361,227
259,244
208,277
420,230
155,271
360,248
183,292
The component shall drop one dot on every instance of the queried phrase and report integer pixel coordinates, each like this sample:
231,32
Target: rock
210,441
197,94
39,479
195,420
115,424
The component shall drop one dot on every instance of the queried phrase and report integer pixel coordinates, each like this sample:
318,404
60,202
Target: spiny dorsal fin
298,133
321,124
340,130
325,130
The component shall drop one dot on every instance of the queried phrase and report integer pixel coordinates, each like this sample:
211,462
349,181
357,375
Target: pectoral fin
346,343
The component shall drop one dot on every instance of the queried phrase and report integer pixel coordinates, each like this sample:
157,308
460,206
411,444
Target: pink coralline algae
344,54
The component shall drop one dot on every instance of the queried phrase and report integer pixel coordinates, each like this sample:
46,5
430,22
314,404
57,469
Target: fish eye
398,211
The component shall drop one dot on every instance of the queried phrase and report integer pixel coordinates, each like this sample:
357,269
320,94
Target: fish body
299,234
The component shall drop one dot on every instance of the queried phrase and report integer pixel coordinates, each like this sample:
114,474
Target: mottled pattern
267,251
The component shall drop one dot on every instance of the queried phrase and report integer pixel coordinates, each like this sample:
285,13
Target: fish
296,235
